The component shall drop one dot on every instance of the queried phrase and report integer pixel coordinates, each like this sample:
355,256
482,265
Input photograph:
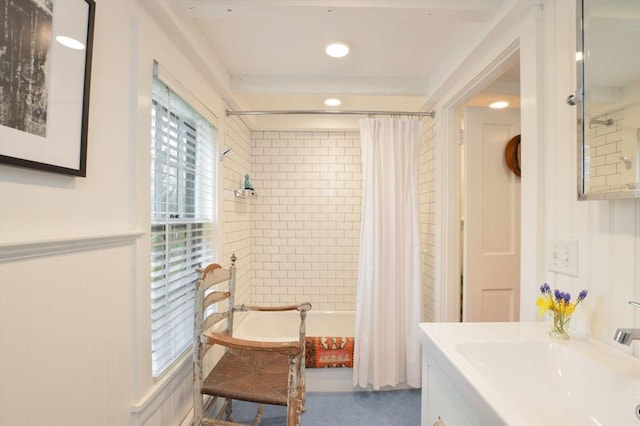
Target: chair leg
259,414
228,410
294,411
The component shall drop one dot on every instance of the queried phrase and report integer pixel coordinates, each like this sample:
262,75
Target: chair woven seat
259,377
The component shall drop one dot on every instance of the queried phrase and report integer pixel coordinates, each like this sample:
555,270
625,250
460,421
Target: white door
491,265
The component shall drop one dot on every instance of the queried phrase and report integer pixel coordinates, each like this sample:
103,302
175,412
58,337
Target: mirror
608,98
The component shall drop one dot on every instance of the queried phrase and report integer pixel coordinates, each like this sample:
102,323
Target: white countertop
516,374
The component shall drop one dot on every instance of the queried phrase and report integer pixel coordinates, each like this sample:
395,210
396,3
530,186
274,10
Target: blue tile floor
384,408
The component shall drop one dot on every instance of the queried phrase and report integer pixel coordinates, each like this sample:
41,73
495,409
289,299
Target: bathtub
284,326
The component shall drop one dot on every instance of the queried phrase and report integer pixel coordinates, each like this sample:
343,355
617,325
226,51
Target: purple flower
567,297
582,296
558,295
544,288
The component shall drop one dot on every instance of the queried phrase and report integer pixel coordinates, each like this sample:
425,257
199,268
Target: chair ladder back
232,295
303,339
215,297
214,274
209,276
215,318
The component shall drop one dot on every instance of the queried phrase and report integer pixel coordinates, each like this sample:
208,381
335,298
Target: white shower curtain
389,298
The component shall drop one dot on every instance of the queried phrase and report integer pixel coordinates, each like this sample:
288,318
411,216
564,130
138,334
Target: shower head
627,163
607,122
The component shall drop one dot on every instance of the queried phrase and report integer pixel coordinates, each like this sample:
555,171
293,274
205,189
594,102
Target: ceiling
273,52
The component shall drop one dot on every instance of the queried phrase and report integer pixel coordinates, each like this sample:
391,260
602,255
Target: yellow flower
569,309
559,305
543,304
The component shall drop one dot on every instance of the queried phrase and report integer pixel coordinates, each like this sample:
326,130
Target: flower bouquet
560,307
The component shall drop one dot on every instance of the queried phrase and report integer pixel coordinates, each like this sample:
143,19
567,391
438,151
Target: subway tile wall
428,220
306,219
606,147
236,212
305,225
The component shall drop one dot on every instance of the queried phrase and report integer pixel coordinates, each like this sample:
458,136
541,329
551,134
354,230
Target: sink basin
589,388
526,377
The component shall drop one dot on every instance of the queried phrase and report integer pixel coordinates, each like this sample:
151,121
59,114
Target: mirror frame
578,99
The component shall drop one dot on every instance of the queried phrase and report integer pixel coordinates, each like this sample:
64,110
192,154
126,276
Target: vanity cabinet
450,396
443,405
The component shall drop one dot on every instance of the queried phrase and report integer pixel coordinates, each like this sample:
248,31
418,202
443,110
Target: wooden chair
260,372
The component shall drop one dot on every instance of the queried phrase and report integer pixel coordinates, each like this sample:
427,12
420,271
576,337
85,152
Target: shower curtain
389,301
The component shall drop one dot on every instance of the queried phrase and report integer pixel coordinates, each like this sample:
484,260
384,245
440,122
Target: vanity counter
516,374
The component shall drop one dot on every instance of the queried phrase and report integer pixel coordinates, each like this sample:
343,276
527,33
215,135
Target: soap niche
246,193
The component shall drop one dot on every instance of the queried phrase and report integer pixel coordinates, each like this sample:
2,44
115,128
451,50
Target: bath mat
329,352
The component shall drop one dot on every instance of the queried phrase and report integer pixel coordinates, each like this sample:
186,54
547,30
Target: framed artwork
45,71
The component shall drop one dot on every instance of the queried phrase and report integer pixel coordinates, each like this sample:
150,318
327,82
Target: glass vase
560,326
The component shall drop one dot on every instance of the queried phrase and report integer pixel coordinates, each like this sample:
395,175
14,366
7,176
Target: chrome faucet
627,335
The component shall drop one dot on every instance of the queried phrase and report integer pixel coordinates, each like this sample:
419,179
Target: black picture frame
45,84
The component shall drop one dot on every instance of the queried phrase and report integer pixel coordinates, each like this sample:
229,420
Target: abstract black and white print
25,46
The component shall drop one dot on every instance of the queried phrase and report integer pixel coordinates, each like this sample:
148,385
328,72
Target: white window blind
182,217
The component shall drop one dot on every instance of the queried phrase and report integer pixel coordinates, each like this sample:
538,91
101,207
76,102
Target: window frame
192,214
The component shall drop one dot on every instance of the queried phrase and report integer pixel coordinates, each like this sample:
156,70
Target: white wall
74,272
608,232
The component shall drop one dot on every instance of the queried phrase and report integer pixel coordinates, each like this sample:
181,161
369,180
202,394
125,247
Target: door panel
492,217
497,305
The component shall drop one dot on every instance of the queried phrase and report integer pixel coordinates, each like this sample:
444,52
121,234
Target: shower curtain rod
329,112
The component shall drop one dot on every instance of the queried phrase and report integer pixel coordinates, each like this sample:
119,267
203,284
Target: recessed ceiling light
337,50
70,42
499,104
332,102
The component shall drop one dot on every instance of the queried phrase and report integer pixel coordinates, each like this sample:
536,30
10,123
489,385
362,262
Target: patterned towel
329,352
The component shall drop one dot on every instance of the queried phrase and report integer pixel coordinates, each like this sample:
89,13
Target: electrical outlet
563,257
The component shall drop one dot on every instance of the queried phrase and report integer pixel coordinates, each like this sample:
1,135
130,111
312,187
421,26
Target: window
182,218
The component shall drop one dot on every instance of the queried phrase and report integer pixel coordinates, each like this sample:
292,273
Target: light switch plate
563,257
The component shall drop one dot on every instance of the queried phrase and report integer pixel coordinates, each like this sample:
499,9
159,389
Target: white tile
310,216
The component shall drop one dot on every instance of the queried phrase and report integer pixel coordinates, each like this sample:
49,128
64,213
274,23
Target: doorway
502,78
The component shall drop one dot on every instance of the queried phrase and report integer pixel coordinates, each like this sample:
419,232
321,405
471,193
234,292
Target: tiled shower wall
306,218
603,154
236,212
428,220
